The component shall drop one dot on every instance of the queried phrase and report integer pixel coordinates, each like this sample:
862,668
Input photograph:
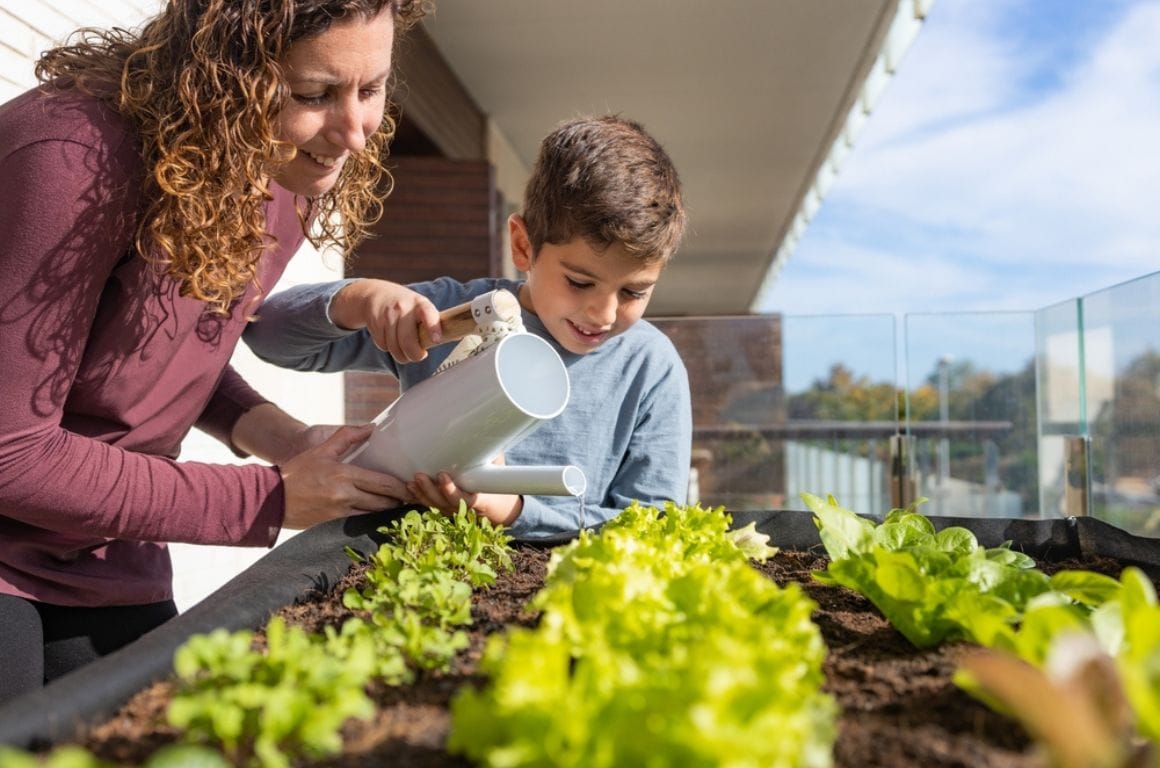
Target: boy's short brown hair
606,180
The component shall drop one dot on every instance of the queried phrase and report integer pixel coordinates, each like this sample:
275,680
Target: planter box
311,560
315,560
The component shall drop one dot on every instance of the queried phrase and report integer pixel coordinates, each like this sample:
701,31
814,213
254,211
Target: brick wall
443,218
735,377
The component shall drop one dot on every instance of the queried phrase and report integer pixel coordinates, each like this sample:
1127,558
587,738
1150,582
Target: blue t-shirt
628,422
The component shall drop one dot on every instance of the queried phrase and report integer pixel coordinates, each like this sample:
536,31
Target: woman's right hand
320,487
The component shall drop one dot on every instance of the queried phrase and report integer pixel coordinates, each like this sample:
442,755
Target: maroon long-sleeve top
104,368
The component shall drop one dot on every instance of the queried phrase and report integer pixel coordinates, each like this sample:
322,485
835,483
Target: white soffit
908,21
746,95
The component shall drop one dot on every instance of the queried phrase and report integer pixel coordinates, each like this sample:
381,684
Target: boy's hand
391,313
442,493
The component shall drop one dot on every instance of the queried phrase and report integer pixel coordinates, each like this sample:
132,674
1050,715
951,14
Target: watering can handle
472,316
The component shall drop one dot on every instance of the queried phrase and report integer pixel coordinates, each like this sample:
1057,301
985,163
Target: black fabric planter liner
312,560
315,560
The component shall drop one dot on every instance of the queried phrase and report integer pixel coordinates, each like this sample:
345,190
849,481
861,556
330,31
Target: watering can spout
533,480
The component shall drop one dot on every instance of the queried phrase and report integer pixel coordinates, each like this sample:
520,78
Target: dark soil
899,707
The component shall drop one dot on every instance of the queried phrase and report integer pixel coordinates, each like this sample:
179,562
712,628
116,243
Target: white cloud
983,195
954,70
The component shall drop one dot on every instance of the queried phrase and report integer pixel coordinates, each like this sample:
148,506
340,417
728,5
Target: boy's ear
521,244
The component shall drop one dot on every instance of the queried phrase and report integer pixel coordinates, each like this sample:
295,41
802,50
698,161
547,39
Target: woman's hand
319,487
391,313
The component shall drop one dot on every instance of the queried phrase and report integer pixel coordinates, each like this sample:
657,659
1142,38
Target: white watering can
462,418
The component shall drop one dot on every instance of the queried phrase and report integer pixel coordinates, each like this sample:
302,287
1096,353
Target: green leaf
955,540
1085,587
11,757
1042,623
1138,591
1006,556
899,577
920,529
66,756
187,756
752,544
842,532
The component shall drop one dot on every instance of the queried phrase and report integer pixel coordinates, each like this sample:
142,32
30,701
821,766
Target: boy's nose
602,309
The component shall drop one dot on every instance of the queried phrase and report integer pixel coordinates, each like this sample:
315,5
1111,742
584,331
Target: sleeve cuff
329,295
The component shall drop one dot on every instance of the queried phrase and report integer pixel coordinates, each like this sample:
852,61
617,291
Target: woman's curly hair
203,85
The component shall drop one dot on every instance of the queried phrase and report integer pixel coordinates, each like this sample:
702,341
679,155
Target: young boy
602,216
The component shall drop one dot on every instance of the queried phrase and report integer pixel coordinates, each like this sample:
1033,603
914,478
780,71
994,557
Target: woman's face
338,84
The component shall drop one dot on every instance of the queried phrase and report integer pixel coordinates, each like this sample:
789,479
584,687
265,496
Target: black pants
40,642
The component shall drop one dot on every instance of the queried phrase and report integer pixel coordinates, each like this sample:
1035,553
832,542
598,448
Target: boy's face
582,296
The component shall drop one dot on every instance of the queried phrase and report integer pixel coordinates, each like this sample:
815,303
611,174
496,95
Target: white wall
26,28
315,398
511,176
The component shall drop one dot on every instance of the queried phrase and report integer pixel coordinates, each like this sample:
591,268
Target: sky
1011,164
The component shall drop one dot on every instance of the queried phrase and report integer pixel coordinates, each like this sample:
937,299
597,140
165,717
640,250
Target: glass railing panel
971,412
1121,356
841,392
1005,414
734,366
783,405
1062,407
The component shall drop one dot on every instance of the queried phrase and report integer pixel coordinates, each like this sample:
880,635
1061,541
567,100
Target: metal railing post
903,487
1078,476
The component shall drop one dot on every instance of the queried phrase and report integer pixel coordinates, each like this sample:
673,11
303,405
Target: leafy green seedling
264,708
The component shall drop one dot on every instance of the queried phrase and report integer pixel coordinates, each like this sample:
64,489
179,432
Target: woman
154,186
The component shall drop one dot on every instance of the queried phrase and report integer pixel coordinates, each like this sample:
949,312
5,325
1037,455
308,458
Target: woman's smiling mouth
324,160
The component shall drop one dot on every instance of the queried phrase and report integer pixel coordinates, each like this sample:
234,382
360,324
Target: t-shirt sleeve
65,221
654,468
293,330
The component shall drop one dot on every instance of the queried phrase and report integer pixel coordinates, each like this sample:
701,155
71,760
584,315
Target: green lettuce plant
269,706
932,586
62,757
416,591
73,756
1138,656
658,644
462,544
1082,677
1075,656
